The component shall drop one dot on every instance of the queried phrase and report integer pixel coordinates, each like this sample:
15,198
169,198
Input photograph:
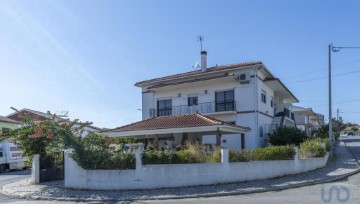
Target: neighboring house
245,94
306,119
7,124
321,120
88,129
38,116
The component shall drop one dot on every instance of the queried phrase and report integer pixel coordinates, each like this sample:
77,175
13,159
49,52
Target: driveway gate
52,167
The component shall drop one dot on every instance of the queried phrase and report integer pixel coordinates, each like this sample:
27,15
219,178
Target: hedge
99,159
268,153
312,148
179,157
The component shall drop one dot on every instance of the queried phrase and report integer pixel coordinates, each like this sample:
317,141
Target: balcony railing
203,108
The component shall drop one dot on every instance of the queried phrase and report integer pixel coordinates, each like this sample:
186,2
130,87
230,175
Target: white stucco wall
178,175
249,107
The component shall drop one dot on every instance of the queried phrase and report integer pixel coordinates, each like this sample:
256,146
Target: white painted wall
247,96
179,175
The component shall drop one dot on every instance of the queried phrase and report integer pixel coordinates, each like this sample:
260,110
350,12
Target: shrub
287,136
326,141
274,153
242,156
194,153
100,159
267,153
311,149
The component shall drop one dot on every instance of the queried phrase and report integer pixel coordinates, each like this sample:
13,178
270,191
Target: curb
290,186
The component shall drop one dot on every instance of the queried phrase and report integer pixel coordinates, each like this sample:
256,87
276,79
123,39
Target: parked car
350,134
10,157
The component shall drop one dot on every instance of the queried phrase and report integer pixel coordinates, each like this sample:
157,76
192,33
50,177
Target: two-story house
245,94
306,119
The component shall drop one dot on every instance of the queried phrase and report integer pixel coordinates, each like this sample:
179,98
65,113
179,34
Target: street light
332,48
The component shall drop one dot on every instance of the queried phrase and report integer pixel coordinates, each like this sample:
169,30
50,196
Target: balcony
202,108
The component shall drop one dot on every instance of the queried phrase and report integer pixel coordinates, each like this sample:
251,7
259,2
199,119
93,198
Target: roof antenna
200,39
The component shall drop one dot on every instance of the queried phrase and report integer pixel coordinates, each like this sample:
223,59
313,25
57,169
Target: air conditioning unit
244,78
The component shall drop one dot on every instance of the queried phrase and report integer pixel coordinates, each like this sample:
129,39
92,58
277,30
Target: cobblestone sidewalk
340,166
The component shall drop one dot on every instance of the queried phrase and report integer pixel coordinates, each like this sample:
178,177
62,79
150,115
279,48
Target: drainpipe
256,97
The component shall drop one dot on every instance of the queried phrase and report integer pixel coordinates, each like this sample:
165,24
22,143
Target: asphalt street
346,191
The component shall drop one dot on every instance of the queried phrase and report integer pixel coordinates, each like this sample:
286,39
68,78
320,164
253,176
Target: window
1,154
261,131
192,100
5,130
13,149
224,101
164,107
263,96
272,102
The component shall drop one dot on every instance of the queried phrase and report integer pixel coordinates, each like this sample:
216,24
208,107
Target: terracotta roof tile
167,122
35,115
208,70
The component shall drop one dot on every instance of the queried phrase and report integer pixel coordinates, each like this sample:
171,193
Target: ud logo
342,194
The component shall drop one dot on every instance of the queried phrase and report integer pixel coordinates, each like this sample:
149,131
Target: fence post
138,153
296,157
35,170
224,155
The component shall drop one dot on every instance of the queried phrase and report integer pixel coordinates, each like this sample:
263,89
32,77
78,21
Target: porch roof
175,124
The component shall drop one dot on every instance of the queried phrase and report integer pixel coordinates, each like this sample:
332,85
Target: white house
306,119
244,94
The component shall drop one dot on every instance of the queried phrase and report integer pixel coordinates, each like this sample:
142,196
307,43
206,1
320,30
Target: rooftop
35,115
7,120
183,123
199,72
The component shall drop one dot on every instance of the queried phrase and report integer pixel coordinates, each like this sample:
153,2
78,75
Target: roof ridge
213,68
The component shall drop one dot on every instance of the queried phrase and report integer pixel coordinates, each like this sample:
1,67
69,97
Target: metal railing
203,108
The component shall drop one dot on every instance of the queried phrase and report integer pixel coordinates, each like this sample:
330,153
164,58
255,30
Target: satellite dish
196,66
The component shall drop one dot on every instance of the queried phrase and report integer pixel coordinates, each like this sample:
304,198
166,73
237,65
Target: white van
10,157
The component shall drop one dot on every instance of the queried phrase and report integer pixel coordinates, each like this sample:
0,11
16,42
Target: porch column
218,138
156,140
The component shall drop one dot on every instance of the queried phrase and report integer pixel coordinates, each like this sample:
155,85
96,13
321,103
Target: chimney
203,60
48,112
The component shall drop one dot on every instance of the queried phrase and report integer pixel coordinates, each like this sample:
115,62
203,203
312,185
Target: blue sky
85,56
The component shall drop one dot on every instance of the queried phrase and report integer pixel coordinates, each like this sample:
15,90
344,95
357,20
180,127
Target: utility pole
330,103
333,49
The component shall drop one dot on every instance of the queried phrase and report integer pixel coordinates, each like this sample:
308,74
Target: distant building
7,124
321,119
306,120
39,116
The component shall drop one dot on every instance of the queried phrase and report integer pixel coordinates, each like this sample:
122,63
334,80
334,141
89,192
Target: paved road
346,191
9,177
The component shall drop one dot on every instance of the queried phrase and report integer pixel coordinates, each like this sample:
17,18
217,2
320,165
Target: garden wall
178,175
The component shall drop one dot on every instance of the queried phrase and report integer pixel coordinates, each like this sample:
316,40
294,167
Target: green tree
287,136
42,137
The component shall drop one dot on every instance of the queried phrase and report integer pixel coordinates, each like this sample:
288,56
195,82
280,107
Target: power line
321,70
340,102
325,77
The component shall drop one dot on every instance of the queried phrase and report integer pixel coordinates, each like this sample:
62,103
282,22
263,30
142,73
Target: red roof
168,122
35,115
